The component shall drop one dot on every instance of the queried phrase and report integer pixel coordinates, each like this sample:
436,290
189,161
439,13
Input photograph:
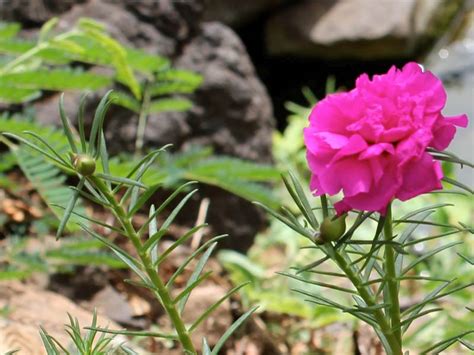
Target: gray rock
176,19
34,12
359,29
231,12
123,25
232,111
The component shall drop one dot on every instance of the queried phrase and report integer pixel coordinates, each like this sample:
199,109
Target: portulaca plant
124,197
381,141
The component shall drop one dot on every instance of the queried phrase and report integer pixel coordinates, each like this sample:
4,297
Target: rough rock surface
231,12
232,111
33,13
213,327
358,29
19,329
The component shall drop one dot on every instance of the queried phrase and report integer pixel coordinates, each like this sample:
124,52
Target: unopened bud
333,228
84,164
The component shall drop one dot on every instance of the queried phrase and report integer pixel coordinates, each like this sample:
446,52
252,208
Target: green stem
161,290
391,291
142,119
324,206
343,261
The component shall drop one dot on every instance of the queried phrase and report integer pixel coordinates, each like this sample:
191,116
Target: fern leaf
58,80
12,95
126,101
118,57
174,104
9,29
48,181
237,168
175,82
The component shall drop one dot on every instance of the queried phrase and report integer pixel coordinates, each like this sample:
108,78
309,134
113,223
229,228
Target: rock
29,308
123,25
359,29
232,111
176,19
34,12
231,12
115,306
217,323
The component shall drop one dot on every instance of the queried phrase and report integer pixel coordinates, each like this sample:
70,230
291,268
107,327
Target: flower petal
420,176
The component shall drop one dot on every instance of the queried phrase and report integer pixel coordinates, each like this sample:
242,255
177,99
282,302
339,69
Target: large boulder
231,12
232,111
359,29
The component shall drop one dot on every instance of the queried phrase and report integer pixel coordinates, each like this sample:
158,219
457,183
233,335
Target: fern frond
48,181
54,79
9,29
12,95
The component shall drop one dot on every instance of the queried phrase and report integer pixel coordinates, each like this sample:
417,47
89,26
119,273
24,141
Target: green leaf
428,255
98,121
11,95
317,283
118,57
206,350
458,184
53,79
9,29
80,123
173,246
172,104
47,28
144,197
170,198
49,183
231,330
190,258
66,125
174,81
134,333
121,180
129,260
194,279
126,101
212,308
442,345
299,197
69,208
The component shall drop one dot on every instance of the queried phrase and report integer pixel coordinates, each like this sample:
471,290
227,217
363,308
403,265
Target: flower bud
333,228
84,164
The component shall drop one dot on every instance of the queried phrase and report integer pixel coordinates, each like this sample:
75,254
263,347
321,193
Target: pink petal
380,194
420,176
444,130
355,145
355,176
377,149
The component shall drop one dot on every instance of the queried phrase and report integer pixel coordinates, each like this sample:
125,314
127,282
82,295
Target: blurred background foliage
32,69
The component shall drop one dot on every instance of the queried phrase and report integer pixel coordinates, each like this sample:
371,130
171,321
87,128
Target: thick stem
391,276
365,292
161,290
142,119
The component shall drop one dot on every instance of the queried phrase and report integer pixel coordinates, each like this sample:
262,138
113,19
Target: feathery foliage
124,196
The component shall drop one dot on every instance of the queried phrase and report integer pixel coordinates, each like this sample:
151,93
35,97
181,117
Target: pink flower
371,142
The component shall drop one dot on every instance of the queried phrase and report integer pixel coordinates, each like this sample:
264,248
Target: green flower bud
84,164
333,228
